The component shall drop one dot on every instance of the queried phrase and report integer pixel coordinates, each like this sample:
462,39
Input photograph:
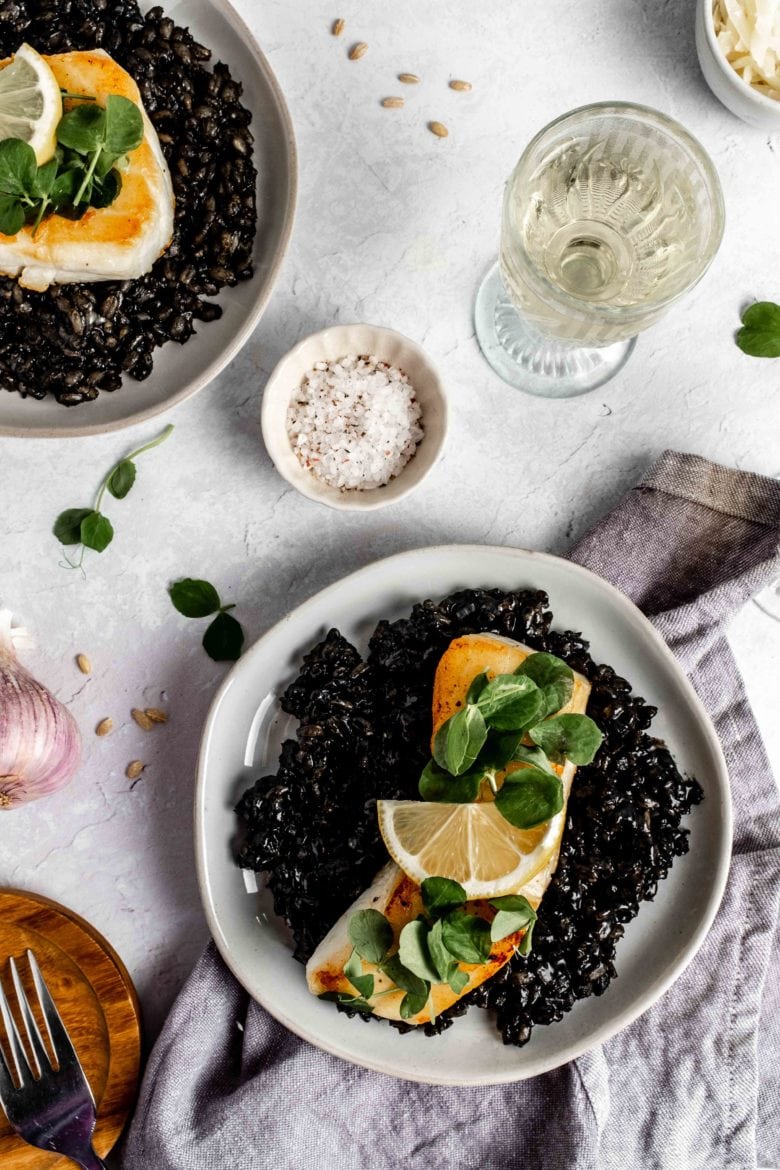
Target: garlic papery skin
40,744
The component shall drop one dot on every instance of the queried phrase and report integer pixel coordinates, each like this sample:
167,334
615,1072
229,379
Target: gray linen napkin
694,1083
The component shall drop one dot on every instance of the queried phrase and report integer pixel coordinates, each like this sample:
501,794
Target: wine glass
612,213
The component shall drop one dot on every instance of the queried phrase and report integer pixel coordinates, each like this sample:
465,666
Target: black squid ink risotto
75,340
364,735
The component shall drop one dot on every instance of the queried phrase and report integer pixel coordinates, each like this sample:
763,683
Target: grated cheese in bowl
354,423
748,35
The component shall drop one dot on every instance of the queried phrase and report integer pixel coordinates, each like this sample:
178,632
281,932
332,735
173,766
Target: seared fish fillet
119,242
393,893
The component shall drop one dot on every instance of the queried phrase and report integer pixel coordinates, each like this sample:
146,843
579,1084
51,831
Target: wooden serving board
97,1002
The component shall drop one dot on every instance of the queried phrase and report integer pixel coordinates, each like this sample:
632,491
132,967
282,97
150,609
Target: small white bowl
747,103
329,345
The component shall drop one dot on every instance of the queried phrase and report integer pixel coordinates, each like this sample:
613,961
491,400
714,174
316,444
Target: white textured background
394,227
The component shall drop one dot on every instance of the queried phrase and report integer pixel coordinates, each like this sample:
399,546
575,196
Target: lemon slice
30,102
471,843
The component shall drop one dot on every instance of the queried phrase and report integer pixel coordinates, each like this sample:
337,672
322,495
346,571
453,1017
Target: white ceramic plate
242,737
181,370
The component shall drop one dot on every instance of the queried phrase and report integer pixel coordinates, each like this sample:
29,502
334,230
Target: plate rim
215,367
602,1032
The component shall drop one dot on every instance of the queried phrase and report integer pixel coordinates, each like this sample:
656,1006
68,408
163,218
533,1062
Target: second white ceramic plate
242,737
181,370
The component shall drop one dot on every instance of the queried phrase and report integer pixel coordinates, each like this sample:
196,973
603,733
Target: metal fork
49,1105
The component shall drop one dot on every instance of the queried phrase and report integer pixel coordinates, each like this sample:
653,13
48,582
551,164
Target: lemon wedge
30,102
471,843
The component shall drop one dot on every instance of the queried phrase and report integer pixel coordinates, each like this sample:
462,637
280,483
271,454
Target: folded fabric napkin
694,1083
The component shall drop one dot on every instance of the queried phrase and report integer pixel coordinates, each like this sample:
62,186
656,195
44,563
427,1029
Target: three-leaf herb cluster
89,527
511,719
430,949
92,146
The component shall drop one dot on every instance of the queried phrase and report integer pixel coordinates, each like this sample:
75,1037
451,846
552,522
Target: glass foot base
532,362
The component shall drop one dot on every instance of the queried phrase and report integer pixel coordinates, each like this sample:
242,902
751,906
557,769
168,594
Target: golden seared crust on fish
399,898
468,656
119,242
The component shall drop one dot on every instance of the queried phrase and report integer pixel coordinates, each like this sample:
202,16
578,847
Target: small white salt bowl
329,345
747,103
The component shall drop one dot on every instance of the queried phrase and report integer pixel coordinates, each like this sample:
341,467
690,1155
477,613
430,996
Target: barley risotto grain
364,734
75,340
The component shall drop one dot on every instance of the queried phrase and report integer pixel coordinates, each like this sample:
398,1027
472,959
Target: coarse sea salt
355,422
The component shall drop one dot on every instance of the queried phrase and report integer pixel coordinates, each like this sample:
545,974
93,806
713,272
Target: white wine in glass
612,213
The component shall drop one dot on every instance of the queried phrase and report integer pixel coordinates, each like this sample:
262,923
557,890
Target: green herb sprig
89,527
92,146
512,719
224,638
430,948
760,332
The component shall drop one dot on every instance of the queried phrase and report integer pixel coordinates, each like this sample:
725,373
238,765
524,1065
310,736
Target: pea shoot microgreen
529,797
430,947
567,737
224,636
512,719
89,527
92,146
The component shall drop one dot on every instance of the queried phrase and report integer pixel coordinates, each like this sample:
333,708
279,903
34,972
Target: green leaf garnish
96,531
500,749
553,678
83,129
568,737
439,785
458,741
124,129
122,479
44,179
511,702
440,956
224,638
353,1001
440,895
514,913
529,797
414,1002
371,935
760,332
67,526
104,191
457,979
466,937
12,215
417,989
533,756
446,966
440,747
413,951
353,969
18,168
478,685
194,598
64,188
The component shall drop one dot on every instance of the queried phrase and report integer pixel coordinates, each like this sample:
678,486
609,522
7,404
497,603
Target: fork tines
33,1061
